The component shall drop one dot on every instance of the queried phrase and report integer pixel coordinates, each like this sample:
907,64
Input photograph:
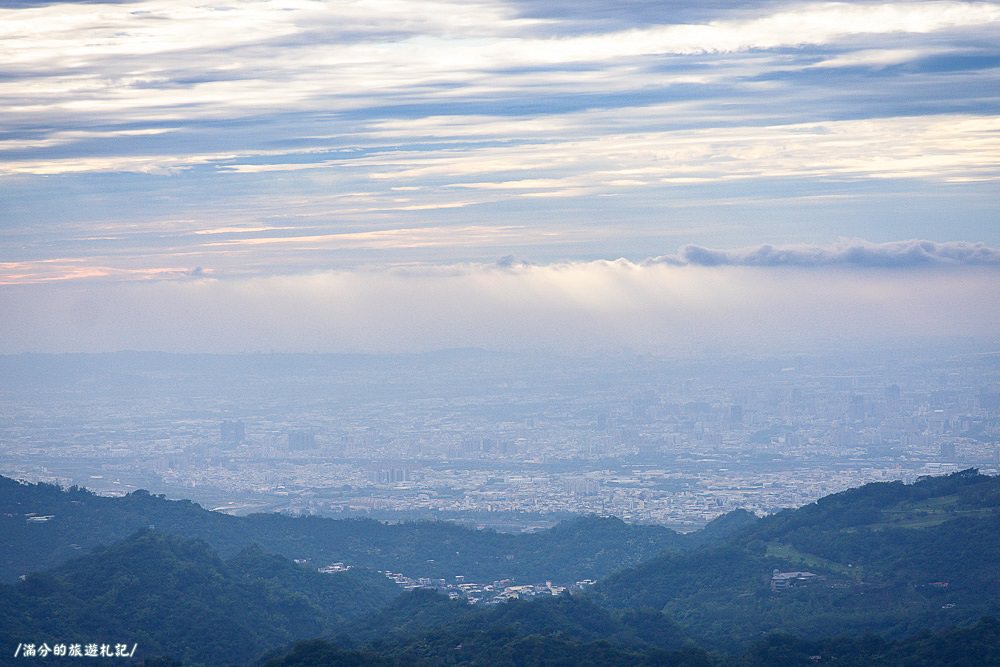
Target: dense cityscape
507,441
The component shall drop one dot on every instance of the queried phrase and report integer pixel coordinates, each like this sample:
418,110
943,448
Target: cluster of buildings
784,581
491,440
494,592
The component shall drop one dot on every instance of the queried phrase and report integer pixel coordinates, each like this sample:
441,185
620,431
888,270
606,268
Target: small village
496,592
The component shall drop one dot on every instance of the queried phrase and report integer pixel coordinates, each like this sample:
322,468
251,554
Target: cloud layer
319,131
311,174
742,306
900,254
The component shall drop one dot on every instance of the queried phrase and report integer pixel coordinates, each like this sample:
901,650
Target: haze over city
565,238
500,332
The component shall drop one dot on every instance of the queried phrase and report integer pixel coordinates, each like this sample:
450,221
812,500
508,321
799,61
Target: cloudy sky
386,175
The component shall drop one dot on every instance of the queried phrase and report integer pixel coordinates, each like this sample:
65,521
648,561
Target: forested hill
43,525
904,574
890,558
177,597
926,503
495,645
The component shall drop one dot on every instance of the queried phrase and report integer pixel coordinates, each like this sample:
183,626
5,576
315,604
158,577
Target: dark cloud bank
896,254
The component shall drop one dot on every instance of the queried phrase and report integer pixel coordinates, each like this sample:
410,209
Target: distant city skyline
509,439
578,176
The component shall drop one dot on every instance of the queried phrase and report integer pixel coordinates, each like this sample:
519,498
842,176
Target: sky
574,175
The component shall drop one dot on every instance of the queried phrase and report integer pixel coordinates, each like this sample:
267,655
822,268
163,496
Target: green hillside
904,575
177,597
891,558
584,548
423,628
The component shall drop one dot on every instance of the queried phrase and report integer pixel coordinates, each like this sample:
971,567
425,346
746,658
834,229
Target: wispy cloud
74,269
282,141
188,59
394,238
